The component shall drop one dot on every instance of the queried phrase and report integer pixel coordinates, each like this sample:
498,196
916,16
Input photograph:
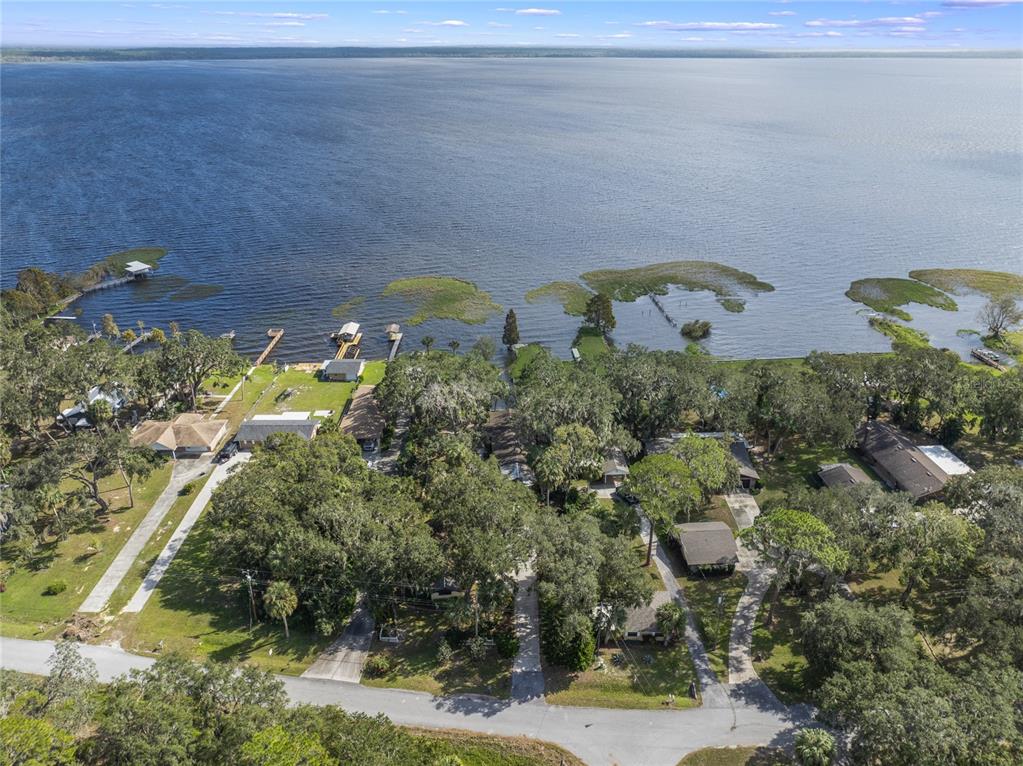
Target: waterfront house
506,447
615,469
842,475
78,416
363,420
342,370
256,430
641,621
188,435
749,479
707,546
905,466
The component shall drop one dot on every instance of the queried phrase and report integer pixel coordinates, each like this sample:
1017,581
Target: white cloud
446,23
716,26
566,34
979,3
279,15
619,36
284,24
538,29
829,33
411,29
782,13
885,21
386,12
537,12
498,25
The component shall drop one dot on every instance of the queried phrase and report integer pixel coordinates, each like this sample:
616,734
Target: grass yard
414,662
152,549
78,561
572,296
443,298
781,664
1011,343
522,359
887,294
636,684
978,452
738,756
474,749
717,510
591,343
994,284
630,284
702,594
200,610
244,399
309,393
797,465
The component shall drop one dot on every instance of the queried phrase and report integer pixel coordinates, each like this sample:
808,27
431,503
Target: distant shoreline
26,55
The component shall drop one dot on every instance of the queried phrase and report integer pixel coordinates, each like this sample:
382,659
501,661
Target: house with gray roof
641,621
256,430
900,463
707,546
842,475
342,370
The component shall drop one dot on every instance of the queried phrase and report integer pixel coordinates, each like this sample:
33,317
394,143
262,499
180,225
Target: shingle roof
187,430
643,619
258,430
352,367
707,543
842,475
898,457
363,419
736,445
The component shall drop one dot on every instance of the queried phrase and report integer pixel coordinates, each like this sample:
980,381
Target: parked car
625,496
229,451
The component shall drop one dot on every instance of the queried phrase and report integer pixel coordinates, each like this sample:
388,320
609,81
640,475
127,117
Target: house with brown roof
363,419
842,475
707,546
900,463
641,621
188,435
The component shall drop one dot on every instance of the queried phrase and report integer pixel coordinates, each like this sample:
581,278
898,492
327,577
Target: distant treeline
180,54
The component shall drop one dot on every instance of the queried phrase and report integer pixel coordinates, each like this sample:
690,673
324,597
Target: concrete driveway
344,659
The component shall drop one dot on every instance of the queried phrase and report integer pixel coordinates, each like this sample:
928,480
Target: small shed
363,420
842,475
707,546
641,621
137,269
945,459
615,468
342,370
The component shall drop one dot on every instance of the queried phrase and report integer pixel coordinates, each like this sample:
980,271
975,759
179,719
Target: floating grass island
571,295
444,298
347,309
655,279
899,333
113,265
994,284
886,294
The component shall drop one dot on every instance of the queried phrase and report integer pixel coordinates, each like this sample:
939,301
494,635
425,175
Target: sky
767,24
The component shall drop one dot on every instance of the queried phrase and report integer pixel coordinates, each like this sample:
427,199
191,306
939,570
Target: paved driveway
344,659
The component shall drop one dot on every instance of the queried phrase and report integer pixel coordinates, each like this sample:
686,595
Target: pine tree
599,313
511,329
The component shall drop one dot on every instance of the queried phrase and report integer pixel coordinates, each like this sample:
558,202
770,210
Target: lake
297,185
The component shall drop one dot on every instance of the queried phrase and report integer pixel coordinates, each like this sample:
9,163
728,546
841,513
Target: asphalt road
601,737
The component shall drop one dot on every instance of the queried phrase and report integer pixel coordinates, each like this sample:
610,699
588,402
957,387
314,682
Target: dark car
229,451
625,496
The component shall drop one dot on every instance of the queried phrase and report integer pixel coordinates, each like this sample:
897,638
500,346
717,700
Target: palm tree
815,747
427,341
280,601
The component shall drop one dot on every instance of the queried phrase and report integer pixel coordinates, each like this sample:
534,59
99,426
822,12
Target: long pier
275,337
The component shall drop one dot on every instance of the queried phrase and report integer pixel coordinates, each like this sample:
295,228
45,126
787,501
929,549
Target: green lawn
152,549
702,594
523,357
79,561
591,343
737,756
309,393
1011,343
782,665
200,609
414,663
887,294
900,333
244,399
797,465
638,683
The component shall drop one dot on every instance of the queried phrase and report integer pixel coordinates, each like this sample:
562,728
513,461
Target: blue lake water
297,185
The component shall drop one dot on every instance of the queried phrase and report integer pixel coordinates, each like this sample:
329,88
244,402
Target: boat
990,358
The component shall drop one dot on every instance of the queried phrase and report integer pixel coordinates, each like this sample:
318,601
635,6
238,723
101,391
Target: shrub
378,665
698,329
187,490
507,644
477,647
814,747
444,652
54,588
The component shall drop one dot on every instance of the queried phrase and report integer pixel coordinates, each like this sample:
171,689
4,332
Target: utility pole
252,600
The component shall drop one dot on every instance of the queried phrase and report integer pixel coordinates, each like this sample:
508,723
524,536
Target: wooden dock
395,341
989,358
275,338
346,346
